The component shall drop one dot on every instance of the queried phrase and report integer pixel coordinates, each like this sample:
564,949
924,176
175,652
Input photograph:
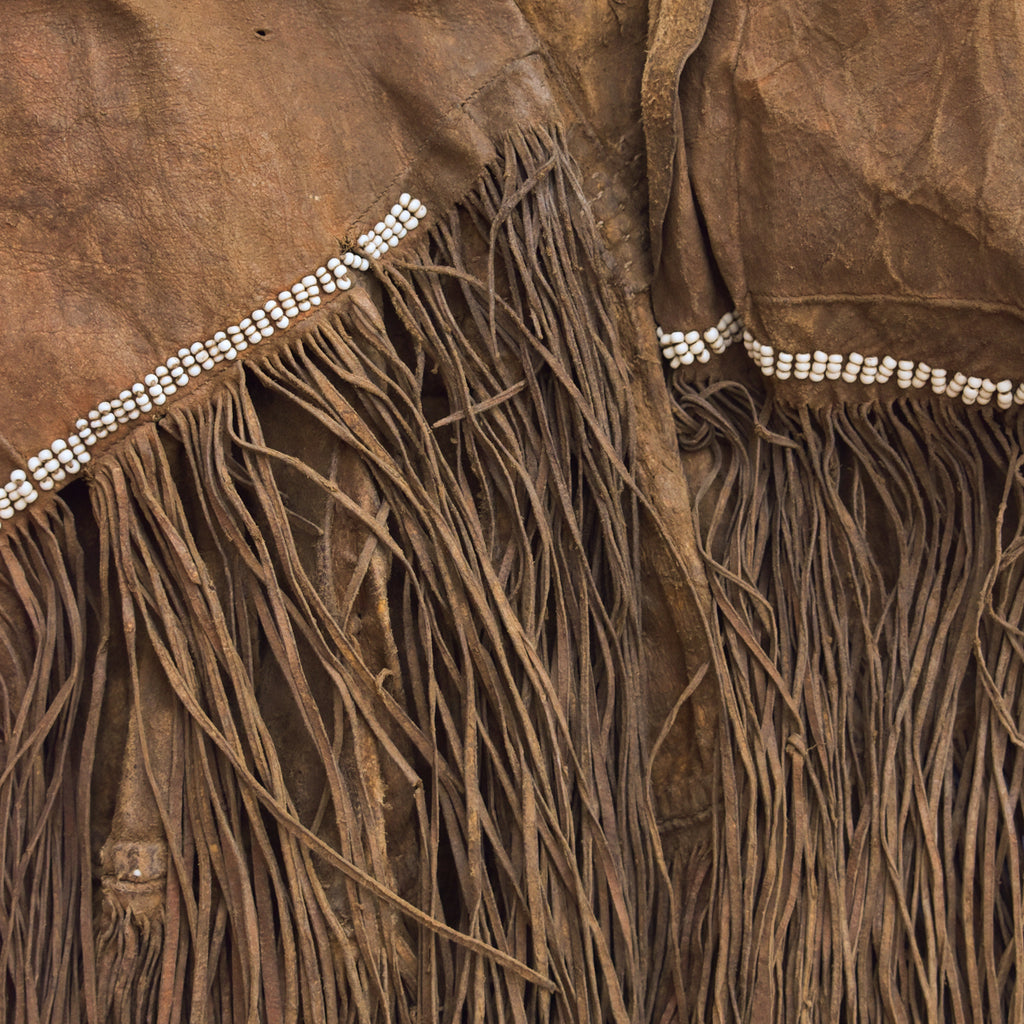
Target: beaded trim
682,348
67,456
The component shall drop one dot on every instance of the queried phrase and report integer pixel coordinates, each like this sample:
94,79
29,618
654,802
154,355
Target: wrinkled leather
857,167
169,165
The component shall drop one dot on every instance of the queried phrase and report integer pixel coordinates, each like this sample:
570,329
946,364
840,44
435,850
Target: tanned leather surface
857,168
169,165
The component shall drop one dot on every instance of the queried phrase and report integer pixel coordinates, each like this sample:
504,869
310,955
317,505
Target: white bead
404,199
404,217
974,382
411,223
987,387
309,281
389,221
1004,400
46,484
65,456
816,376
1004,387
379,227
801,371
782,373
849,376
33,463
969,395
84,457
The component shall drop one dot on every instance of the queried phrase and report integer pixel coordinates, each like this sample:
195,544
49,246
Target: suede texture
848,177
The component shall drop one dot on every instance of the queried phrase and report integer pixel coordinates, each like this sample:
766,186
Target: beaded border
682,348
67,456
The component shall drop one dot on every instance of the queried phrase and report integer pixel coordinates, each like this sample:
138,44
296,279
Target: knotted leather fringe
356,642
867,568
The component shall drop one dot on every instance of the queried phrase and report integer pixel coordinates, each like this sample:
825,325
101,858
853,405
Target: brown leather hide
855,171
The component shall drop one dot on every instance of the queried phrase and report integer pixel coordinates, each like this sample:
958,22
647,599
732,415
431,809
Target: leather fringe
866,566
382,586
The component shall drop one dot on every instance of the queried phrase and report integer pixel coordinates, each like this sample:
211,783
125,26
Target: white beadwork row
67,456
405,215
681,349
